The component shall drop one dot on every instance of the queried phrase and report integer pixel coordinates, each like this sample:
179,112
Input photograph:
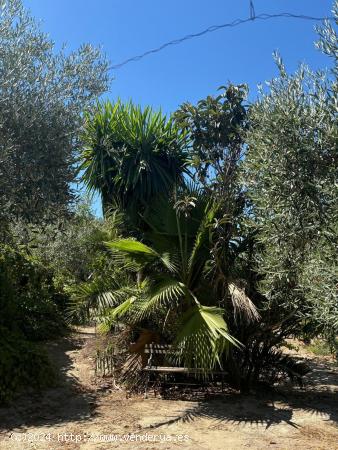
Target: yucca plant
131,155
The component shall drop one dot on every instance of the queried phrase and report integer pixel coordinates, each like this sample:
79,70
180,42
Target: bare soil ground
87,411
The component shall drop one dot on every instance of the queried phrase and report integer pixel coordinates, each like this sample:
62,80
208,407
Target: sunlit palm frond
165,292
203,337
111,316
140,253
93,297
135,251
122,309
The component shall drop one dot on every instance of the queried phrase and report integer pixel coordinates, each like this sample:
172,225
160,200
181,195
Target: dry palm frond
243,306
132,365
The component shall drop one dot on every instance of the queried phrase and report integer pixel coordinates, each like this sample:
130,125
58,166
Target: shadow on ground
70,401
67,401
319,397
263,409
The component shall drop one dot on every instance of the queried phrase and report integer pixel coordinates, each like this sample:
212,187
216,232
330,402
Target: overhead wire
252,17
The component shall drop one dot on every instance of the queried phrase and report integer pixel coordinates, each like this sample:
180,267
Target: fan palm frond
165,292
201,247
122,309
203,337
141,253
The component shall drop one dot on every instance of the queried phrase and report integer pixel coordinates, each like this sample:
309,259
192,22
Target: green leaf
165,292
122,309
131,246
203,337
141,253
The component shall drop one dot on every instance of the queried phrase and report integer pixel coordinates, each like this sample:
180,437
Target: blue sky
193,69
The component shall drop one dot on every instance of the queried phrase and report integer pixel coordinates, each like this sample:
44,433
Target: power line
213,28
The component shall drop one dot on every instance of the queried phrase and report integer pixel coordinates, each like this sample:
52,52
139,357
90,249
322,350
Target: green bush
21,364
28,299
28,312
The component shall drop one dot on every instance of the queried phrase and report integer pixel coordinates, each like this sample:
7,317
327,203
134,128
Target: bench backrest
157,349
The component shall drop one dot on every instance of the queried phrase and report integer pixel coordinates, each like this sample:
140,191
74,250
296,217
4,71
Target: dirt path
81,410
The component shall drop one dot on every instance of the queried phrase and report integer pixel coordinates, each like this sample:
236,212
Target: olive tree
290,174
42,95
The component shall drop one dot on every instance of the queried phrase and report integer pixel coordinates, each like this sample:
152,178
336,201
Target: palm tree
175,296
131,155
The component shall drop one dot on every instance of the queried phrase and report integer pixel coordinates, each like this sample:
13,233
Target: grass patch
319,347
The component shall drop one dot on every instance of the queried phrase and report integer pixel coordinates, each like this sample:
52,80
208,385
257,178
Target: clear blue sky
195,68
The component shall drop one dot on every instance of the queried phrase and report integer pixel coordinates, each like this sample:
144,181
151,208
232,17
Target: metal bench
153,350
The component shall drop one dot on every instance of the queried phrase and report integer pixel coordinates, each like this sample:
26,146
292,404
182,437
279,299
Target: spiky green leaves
131,155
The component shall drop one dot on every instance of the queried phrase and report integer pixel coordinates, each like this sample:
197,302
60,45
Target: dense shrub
22,364
28,312
28,299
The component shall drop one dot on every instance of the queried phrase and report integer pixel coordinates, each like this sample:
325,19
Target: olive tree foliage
328,42
65,246
42,94
290,174
319,277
